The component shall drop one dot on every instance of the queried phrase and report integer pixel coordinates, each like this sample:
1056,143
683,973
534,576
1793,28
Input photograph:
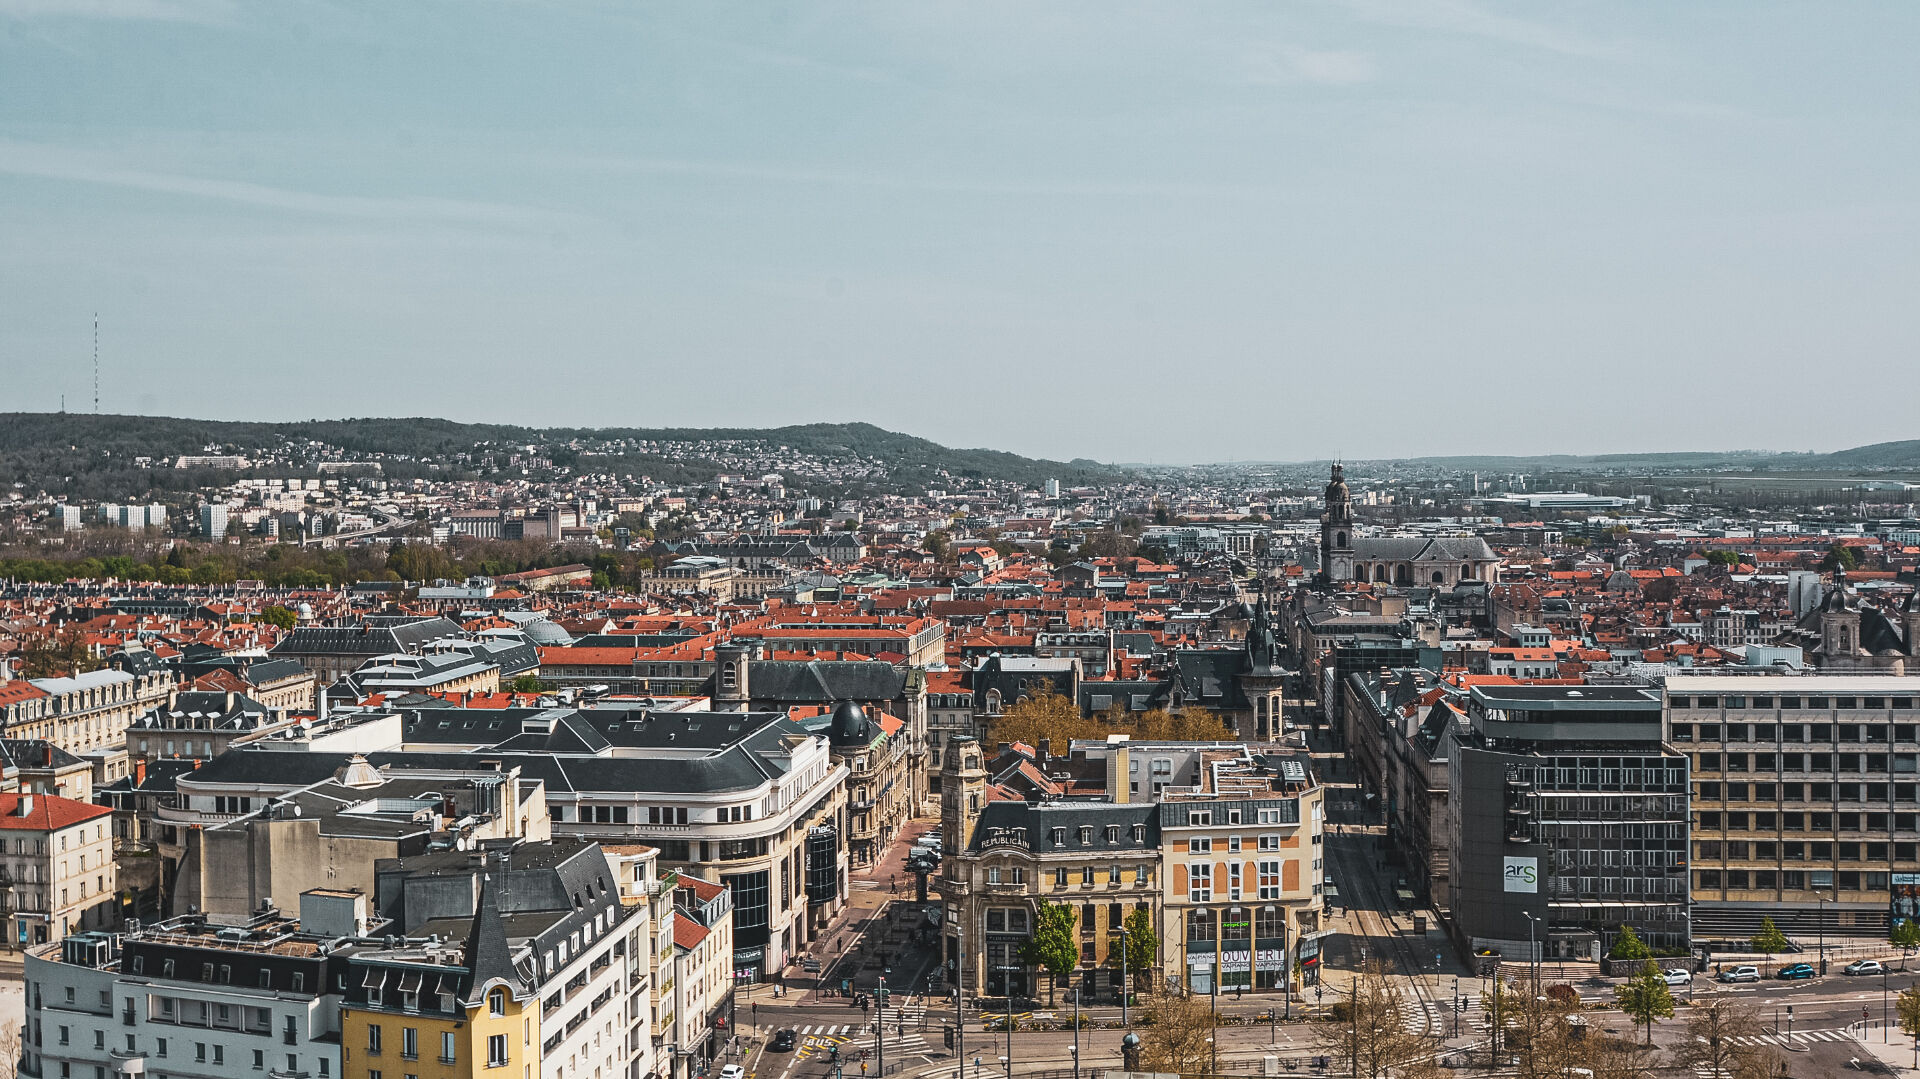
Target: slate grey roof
1422,548
215,710
1210,678
373,636
265,671
820,681
1035,824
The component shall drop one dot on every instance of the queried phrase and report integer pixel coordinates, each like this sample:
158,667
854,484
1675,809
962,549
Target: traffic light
833,1053
949,1037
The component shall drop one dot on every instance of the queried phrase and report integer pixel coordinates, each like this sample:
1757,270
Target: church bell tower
1336,530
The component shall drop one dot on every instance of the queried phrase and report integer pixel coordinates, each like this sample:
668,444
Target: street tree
1546,1033
1629,947
1908,1010
1722,1039
1770,941
1645,997
1906,937
1369,1031
1177,1035
1142,945
1052,946
1608,1057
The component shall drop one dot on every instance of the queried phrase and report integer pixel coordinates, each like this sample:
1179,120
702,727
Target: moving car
1676,976
1864,966
733,1071
783,1042
1740,974
1795,972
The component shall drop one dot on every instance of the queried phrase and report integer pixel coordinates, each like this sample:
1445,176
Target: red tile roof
49,813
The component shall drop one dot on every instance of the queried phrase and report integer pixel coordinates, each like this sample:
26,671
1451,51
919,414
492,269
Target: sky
1179,232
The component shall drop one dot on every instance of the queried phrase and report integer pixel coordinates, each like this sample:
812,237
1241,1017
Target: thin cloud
45,162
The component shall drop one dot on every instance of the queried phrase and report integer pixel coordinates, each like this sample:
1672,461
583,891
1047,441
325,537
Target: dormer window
1086,835
1058,837
1113,833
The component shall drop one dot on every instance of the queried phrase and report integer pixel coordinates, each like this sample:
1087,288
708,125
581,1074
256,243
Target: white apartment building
57,873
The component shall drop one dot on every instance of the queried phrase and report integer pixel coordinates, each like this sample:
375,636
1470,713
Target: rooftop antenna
96,363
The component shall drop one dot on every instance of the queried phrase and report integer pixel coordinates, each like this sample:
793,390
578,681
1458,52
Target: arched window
1403,574
1437,576
496,1001
1339,539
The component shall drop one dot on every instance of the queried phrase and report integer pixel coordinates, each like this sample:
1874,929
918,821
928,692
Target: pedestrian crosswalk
1798,1036
855,1040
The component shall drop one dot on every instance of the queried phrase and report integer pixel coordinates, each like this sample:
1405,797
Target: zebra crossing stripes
1798,1036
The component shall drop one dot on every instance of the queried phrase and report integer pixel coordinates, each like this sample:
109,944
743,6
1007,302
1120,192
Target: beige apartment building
1806,801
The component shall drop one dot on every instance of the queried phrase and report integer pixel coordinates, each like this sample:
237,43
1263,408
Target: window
1269,879
1060,878
1270,842
373,1039
496,1050
1233,880
446,1048
1086,875
409,1043
1199,817
1199,845
1200,882
496,1001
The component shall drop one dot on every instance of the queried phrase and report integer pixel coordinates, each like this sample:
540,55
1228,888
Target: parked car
810,966
733,1071
1864,966
1795,972
783,1042
1676,976
1740,974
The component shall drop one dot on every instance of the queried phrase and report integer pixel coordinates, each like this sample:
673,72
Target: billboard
1522,875
1906,898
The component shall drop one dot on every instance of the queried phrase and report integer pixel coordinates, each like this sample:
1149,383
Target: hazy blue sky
1175,231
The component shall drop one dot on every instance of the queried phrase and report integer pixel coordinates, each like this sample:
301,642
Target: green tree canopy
1052,946
1839,557
1770,941
1645,997
1906,937
1143,944
1629,946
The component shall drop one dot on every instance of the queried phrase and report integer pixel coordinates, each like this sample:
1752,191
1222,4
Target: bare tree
1370,1031
1179,1039
10,1046
1715,1030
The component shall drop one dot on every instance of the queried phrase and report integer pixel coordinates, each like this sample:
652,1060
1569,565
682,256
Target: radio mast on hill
96,363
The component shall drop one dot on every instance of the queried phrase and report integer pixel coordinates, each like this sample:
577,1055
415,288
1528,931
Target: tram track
1368,906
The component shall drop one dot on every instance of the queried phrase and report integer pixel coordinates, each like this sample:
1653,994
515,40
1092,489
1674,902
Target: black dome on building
850,726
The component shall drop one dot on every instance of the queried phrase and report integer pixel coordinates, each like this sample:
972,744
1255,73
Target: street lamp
1076,1032
1820,914
1533,953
